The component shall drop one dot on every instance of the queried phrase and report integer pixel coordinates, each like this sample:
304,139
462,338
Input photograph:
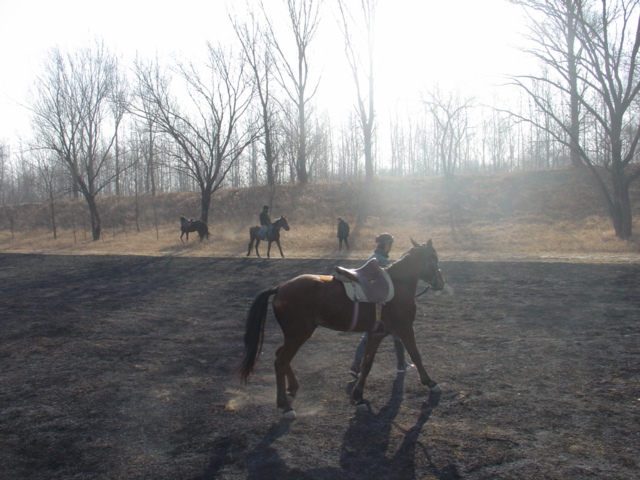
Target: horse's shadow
262,462
366,442
364,450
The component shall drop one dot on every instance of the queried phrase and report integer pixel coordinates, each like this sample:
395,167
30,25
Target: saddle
264,233
369,283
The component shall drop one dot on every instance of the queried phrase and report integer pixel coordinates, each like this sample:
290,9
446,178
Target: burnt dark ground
119,367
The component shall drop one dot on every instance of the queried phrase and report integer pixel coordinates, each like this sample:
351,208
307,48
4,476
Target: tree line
248,113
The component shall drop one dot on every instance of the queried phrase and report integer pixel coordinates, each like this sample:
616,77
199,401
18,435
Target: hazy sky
460,44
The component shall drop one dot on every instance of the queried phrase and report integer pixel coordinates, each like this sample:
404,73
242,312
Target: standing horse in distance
272,236
303,303
187,226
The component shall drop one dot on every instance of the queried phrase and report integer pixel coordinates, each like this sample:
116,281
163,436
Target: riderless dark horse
272,236
187,226
303,303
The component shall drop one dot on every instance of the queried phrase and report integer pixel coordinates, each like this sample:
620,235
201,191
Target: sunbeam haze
465,45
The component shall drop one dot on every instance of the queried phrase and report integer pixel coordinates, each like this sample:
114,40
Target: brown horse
304,302
187,226
273,236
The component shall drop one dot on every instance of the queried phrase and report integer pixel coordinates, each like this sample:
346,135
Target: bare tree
554,32
293,72
362,70
451,127
49,173
4,171
259,55
213,130
72,118
611,60
119,108
609,37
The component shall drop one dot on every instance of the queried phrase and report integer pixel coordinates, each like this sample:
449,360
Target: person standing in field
343,234
384,242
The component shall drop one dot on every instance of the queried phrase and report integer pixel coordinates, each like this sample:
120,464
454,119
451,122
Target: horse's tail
254,332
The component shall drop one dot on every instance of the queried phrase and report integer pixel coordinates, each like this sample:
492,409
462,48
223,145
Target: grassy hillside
557,213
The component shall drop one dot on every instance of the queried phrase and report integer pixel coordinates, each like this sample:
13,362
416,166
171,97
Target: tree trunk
574,128
53,215
620,209
368,153
96,225
268,151
301,163
205,204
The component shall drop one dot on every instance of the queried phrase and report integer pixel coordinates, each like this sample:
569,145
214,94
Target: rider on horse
265,222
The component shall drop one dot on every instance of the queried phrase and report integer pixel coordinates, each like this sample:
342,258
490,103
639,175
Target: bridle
431,262
284,226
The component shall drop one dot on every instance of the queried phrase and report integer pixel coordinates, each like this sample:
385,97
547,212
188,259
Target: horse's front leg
278,243
373,342
409,340
181,237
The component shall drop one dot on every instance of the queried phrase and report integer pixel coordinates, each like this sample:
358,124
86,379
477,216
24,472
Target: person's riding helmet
384,238
266,207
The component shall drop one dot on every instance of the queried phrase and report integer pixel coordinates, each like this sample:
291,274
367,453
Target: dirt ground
123,367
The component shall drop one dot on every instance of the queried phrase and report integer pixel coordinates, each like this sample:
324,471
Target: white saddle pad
354,290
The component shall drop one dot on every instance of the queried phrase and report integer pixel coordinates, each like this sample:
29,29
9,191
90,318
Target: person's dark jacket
264,218
343,229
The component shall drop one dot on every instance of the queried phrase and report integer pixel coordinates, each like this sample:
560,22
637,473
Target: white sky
461,44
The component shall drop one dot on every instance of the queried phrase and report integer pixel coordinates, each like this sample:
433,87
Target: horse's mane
408,257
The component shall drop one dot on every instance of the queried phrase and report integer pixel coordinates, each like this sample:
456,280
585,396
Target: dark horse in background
272,236
187,226
303,303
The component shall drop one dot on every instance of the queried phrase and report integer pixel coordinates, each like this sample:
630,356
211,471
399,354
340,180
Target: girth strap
356,312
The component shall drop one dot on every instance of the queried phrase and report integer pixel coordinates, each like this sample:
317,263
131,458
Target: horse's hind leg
292,384
284,371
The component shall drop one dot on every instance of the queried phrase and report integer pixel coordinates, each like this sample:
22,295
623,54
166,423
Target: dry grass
556,215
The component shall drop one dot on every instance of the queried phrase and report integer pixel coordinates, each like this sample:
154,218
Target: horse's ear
429,244
414,243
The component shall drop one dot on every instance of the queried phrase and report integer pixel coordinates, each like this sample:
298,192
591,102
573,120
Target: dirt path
118,367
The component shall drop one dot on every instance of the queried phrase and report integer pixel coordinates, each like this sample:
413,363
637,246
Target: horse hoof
289,415
435,388
362,407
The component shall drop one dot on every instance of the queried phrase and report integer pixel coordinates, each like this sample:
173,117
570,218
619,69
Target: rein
423,292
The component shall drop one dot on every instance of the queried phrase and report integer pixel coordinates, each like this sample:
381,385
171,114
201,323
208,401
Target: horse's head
430,272
282,223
